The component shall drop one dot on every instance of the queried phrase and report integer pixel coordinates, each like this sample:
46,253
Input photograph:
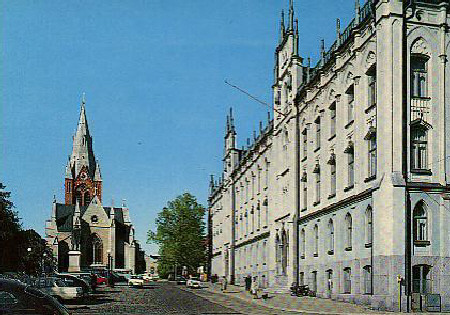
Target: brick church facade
103,235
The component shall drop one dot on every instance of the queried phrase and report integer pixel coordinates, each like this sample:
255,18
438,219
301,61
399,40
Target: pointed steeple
291,15
68,171
82,153
98,175
232,128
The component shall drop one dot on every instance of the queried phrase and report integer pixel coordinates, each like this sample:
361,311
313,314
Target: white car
58,289
135,281
147,277
193,283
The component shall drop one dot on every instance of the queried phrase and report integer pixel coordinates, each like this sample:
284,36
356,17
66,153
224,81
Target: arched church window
97,249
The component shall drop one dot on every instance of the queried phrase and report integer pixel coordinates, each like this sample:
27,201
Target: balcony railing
420,108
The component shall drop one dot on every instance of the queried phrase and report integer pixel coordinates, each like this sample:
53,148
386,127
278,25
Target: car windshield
35,292
61,283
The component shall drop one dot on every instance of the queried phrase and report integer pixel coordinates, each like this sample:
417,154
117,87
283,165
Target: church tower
83,180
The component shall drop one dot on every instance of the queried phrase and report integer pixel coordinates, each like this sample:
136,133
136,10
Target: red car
101,280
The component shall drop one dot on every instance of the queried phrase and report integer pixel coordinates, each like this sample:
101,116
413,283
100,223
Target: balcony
420,109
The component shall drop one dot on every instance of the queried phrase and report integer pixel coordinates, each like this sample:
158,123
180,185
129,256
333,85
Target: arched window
367,272
331,231
368,226
303,243
348,226
419,76
97,249
347,280
420,224
316,240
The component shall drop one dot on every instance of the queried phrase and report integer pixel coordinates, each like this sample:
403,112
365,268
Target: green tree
20,250
180,234
9,230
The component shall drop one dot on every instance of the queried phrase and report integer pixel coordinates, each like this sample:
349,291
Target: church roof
64,215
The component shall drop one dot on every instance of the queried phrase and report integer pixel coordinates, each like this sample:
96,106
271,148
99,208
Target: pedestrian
224,283
255,288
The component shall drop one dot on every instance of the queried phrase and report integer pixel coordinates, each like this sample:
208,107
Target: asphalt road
164,298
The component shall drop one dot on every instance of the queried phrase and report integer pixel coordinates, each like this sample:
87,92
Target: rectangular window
419,148
253,186
318,135
419,77
351,168
264,253
259,216
305,195
259,180
318,187
373,156
333,179
333,120
350,103
367,279
305,143
314,281
372,84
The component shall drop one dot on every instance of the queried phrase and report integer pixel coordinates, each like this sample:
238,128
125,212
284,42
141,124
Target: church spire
82,153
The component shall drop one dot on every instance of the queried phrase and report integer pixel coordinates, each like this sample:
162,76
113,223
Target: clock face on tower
83,175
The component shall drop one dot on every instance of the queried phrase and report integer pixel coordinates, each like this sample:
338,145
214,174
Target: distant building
151,262
348,187
82,223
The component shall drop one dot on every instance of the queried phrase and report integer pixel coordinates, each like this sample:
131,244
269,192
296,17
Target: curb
255,301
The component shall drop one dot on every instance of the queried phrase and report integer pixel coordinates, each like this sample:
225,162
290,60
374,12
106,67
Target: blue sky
153,73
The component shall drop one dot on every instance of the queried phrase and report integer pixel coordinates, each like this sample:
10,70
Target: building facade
353,172
103,235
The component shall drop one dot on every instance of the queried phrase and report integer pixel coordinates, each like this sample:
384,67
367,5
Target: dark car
181,280
19,298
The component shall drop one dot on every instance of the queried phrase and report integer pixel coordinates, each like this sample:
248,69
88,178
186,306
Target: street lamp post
43,263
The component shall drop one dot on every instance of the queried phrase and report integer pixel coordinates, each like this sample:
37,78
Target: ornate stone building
353,172
103,236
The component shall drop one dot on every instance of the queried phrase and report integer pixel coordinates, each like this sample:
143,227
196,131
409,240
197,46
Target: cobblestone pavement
158,298
166,298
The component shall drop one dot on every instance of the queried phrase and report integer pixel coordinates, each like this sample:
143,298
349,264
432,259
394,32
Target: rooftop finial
291,14
83,98
282,28
296,39
322,51
338,30
357,11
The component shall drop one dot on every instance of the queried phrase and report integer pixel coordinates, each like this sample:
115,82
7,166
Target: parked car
193,283
58,288
181,280
75,281
19,298
135,281
147,277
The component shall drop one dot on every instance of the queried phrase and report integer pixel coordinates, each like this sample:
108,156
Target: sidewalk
286,302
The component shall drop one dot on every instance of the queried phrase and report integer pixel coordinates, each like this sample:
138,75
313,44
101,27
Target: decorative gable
95,215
